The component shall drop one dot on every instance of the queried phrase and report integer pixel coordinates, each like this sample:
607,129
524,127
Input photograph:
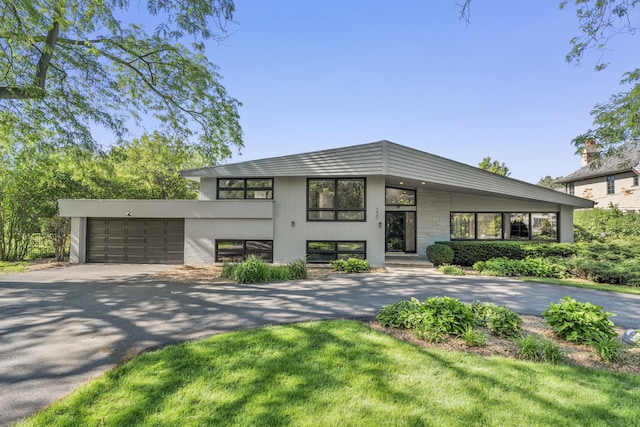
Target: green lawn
341,373
587,285
13,267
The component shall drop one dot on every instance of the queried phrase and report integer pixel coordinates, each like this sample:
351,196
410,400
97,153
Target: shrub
252,270
452,270
474,338
298,269
537,267
528,348
403,314
608,349
605,224
449,315
482,311
579,322
440,254
468,253
228,269
551,351
351,265
504,322
430,335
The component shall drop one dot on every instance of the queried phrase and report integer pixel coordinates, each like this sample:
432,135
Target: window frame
335,209
611,185
506,221
635,180
244,251
245,189
336,252
571,188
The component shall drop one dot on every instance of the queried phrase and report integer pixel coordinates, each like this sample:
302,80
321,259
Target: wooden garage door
128,240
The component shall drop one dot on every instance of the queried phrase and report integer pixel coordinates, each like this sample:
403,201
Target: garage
139,240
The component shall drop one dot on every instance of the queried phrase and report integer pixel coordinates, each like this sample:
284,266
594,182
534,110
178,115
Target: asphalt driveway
61,327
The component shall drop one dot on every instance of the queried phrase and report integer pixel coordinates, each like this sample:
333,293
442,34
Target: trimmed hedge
440,254
467,253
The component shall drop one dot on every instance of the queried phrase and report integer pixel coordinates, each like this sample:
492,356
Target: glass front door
401,231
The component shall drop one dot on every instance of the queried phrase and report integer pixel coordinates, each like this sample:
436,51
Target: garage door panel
135,240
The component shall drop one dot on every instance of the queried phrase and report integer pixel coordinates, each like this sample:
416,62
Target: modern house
607,180
364,201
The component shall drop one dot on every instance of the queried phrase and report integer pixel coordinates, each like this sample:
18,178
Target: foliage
537,267
452,270
605,225
351,265
549,182
69,66
494,167
608,349
539,350
579,322
448,314
440,254
401,315
339,373
474,338
254,270
504,322
467,253
614,262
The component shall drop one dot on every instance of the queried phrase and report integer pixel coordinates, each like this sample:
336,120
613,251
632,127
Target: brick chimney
589,153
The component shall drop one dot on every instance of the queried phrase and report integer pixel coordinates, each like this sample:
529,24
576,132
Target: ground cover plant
452,270
351,265
254,270
13,266
341,373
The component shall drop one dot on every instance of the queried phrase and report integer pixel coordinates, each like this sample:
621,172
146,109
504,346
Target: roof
628,160
391,160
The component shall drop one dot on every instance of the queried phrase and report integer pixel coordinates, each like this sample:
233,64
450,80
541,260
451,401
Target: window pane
351,246
259,194
400,197
351,215
230,257
347,255
321,246
489,225
230,194
321,193
350,193
518,226
322,215
230,244
544,226
259,183
320,257
463,226
259,245
262,256
231,183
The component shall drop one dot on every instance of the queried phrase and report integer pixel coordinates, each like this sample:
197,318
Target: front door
401,231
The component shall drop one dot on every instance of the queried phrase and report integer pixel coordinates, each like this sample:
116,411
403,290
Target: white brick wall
433,218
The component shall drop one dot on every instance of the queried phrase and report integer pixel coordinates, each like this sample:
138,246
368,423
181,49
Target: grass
634,290
13,266
341,373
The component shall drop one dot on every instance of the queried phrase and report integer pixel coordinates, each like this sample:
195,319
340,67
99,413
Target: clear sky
315,75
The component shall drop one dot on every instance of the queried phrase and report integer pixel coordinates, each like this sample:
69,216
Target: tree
549,182
68,66
616,123
494,166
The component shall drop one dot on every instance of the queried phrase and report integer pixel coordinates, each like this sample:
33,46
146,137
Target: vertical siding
208,188
566,224
78,249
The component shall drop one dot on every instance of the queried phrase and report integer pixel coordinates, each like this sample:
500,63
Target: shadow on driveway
61,327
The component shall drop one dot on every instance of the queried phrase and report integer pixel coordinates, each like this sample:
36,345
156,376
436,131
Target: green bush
504,322
449,315
613,262
452,270
537,267
608,349
467,253
252,270
440,254
539,350
579,322
351,265
608,224
401,315
228,269
474,338
298,269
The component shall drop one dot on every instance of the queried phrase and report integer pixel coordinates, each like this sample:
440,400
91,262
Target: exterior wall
432,218
565,226
292,230
626,196
208,188
467,202
200,235
78,247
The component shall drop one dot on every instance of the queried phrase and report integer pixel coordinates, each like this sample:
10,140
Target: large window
635,180
341,199
400,197
327,251
239,250
245,188
611,184
504,226
571,188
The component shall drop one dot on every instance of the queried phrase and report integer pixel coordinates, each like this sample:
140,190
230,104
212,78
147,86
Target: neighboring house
607,180
363,201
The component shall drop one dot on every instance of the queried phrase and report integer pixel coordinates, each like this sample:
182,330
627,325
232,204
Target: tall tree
494,166
550,182
616,123
69,65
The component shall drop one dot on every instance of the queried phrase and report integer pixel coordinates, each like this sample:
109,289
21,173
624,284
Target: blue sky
325,74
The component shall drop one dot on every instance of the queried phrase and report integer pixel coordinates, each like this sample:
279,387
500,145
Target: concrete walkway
61,327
